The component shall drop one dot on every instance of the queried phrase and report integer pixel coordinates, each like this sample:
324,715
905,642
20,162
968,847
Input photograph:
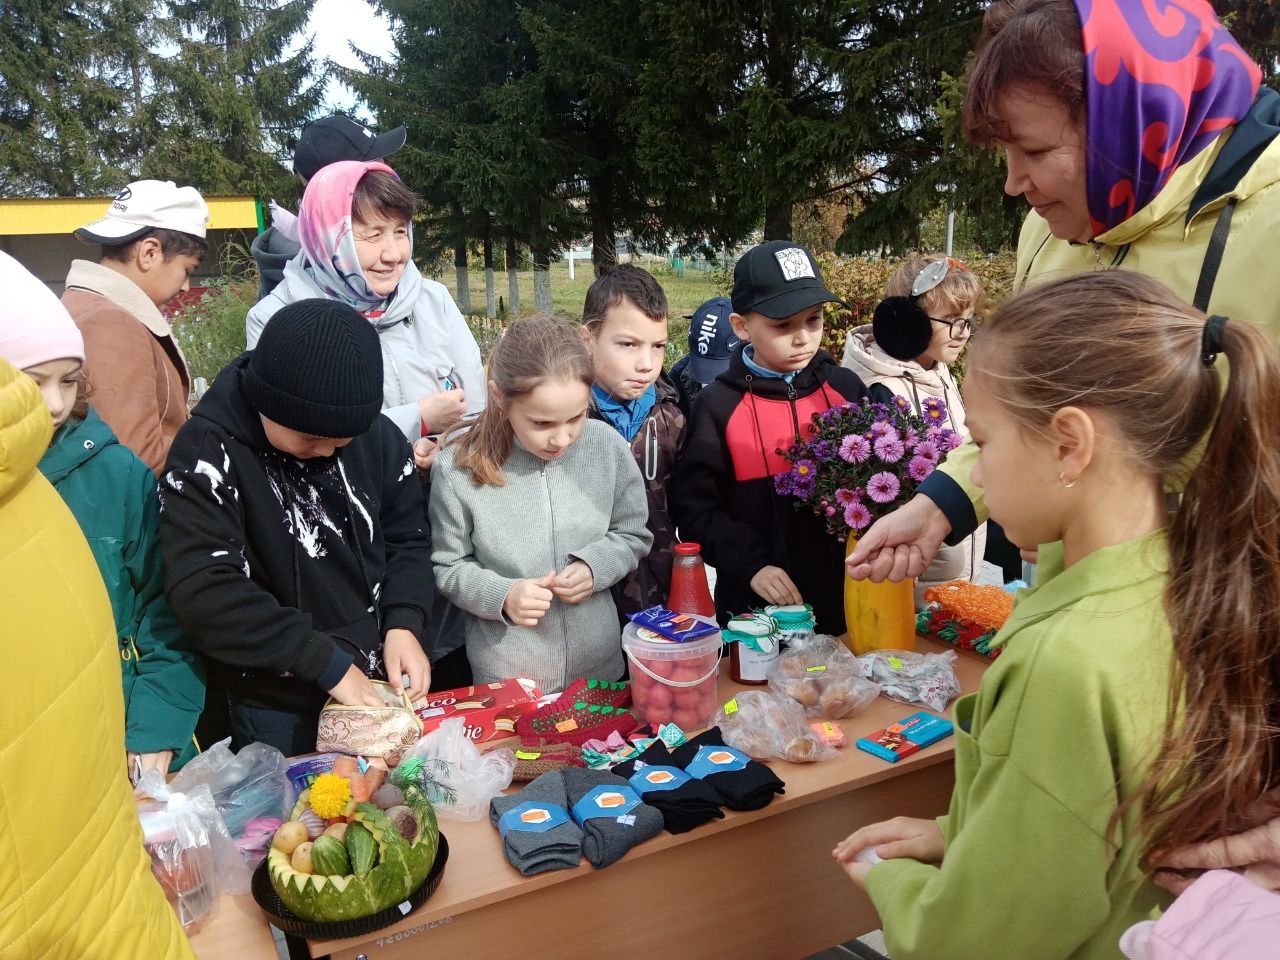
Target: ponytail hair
532,351
1122,344
1223,602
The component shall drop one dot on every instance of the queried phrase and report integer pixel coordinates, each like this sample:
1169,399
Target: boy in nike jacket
722,493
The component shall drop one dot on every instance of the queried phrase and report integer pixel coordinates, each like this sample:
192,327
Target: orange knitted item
981,605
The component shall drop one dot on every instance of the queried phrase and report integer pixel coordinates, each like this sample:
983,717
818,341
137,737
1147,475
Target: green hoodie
113,497
1062,728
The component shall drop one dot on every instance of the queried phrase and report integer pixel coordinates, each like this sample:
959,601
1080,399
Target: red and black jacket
722,493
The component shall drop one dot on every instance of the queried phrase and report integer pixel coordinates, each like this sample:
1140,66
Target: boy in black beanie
296,551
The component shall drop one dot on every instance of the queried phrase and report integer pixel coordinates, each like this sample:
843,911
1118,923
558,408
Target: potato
290,834
301,859
338,831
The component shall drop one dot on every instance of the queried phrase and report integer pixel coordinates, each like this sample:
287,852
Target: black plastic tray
282,917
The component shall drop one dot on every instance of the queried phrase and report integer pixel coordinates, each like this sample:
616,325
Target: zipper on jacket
555,554
395,370
791,402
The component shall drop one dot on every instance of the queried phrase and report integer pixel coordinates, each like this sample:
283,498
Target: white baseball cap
146,205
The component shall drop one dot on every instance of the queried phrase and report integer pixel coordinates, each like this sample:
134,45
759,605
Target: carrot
376,774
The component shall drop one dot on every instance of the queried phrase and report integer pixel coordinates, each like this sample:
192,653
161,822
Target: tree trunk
460,272
513,278
604,238
541,274
490,300
777,221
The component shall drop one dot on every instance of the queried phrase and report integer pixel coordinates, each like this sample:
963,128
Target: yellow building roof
30,216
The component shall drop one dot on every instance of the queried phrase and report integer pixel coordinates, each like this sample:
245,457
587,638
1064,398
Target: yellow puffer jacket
75,881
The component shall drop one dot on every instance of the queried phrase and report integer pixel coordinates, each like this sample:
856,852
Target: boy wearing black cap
324,142
293,529
722,496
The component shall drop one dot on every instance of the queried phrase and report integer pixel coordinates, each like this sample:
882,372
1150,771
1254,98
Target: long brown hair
532,351
1121,343
1034,45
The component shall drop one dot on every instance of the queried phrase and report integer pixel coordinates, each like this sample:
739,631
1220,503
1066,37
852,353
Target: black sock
684,802
744,784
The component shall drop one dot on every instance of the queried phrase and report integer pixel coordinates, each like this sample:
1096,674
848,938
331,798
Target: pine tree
230,102
72,77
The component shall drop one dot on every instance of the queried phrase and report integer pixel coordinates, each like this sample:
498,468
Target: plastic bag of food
908,677
765,725
460,780
820,674
192,855
250,788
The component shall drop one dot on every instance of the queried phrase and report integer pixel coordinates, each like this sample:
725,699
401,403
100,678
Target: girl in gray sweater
536,512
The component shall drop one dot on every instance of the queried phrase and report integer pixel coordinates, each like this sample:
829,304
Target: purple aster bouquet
864,460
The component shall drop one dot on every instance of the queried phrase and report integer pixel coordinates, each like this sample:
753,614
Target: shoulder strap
1213,255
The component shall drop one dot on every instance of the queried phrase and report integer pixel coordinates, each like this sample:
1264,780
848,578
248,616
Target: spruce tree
230,101
72,78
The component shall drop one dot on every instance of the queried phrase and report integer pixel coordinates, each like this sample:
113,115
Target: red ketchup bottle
690,592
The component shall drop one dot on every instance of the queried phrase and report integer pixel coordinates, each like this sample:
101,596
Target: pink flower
919,468
857,516
927,449
889,448
883,487
845,496
854,449
882,428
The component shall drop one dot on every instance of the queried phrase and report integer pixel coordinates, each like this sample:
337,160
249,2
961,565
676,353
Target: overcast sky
334,23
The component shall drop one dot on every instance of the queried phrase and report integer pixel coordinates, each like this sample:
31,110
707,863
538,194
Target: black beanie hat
317,369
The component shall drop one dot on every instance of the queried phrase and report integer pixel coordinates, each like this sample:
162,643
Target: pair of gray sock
615,825
529,844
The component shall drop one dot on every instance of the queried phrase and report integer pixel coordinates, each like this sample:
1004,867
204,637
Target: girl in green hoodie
113,497
1126,712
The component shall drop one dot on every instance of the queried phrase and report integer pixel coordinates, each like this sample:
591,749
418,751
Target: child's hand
774,585
402,653
424,452
899,838
574,583
355,690
528,601
140,763
440,411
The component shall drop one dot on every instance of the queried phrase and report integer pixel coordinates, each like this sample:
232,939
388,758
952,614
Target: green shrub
211,332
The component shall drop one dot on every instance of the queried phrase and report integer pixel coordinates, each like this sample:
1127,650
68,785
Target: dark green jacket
113,496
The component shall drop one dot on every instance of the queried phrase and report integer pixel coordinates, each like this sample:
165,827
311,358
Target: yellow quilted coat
75,881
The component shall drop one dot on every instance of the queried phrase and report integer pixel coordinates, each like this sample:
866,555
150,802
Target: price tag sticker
895,662
820,668
564,726
731,707
528,754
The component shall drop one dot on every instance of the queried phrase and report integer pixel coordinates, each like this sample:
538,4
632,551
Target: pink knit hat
34,325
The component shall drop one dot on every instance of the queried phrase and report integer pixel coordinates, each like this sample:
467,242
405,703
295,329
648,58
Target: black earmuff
901,328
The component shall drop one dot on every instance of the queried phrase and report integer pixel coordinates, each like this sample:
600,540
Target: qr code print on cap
795,264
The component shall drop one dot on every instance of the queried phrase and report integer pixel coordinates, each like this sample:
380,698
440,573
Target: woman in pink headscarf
356,229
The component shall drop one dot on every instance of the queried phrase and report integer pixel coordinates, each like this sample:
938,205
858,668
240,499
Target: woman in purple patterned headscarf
1139,135
1128,125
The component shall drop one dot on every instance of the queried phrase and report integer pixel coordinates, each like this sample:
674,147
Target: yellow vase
878,616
